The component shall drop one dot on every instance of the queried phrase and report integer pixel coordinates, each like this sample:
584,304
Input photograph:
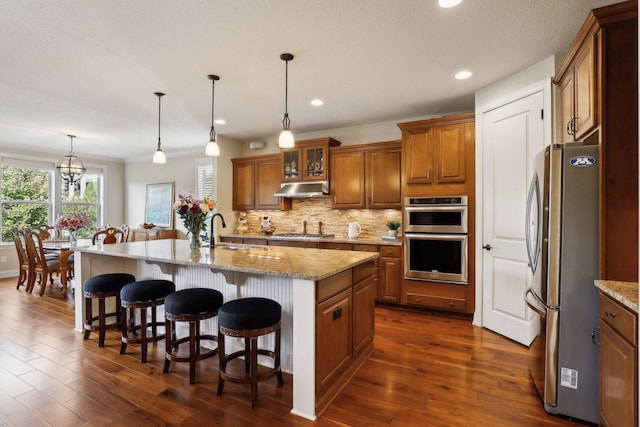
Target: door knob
487,247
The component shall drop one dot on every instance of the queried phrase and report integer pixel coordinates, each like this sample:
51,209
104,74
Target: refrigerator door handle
542,312
533,253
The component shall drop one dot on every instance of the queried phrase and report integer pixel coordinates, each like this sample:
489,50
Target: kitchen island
327,299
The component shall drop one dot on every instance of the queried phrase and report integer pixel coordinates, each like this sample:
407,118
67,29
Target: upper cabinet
307,161
366,176
438,151
255,181
598,82
578,97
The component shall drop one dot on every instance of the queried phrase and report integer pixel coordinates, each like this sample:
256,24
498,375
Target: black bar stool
101,287
142,295
189,305
249,318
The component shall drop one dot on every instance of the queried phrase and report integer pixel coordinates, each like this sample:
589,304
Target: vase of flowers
194,214
72,223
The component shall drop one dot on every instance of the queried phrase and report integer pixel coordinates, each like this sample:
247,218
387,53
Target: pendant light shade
212,147
158,156
71,167
286,139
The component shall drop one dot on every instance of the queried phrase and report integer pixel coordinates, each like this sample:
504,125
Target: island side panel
304,352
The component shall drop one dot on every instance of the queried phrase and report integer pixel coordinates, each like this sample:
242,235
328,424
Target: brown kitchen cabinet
364,296
618,364
390,274
307,161
144,234
598,81
435,151
255,181
578,114
366,176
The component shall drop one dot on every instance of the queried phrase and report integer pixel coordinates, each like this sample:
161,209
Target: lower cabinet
344,328
144,234
618,364
390,274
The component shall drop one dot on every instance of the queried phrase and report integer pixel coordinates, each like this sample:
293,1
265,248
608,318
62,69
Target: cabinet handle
451,304
571,126
610,315
595,336
337,313
418,299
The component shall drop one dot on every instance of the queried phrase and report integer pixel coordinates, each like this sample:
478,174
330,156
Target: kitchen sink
301,236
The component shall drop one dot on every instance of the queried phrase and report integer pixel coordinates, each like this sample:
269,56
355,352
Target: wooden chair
127,232
108,235
45,231
41,265
23,259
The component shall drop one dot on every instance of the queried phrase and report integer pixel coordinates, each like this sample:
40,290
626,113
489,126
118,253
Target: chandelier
71,167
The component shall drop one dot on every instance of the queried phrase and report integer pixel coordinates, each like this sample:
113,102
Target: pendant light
212,147
71,167
158,156
286,137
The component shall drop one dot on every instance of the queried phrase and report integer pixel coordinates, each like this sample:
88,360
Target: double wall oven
436,239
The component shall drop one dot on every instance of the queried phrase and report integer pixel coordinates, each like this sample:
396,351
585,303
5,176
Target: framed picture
159,204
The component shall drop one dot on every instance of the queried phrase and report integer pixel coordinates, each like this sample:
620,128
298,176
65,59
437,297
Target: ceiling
91,68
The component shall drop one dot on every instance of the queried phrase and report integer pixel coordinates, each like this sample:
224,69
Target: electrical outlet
3,259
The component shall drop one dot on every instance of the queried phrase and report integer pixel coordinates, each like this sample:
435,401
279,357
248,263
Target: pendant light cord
159,102
212,133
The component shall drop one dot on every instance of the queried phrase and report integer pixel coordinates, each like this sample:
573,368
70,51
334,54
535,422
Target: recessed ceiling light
317,102
449,3
220,121
462,75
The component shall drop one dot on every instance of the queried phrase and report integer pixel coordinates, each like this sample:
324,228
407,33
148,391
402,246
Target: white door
512,136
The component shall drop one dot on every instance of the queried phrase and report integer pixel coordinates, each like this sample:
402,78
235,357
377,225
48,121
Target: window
206,182
28,196
84,197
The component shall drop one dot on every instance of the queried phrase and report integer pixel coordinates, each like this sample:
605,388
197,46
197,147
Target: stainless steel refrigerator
562,244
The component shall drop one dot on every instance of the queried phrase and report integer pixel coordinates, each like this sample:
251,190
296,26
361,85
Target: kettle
354,229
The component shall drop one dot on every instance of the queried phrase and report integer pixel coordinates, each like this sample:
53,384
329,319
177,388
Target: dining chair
40,265
23,259
108,235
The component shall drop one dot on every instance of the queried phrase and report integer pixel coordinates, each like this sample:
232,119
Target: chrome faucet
213,217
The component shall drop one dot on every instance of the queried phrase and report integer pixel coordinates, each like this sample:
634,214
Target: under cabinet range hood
303,189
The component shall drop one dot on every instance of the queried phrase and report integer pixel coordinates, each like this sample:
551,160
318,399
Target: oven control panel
436,201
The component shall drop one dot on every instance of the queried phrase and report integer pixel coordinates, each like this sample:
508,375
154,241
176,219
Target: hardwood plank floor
426,370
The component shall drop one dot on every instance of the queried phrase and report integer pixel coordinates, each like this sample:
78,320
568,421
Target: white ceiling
91,68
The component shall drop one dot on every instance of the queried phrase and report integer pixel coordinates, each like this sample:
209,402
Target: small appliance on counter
242,222
354,230
266,227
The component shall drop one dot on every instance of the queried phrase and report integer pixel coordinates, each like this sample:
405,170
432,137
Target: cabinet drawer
391,251
252,241
337,246
365,248
334,284
293,243
227,239
362,271
457,304
622,320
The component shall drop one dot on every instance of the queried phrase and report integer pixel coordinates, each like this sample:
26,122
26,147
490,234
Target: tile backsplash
334,221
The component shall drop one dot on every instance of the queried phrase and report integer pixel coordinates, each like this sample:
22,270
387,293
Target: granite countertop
626,293
335,239
300,263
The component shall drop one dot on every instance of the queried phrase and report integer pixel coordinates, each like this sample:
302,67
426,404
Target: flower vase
195,241
73,235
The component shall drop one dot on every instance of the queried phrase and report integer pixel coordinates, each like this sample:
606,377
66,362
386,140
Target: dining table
64,248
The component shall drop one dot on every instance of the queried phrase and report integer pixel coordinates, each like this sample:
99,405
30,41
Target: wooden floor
427,370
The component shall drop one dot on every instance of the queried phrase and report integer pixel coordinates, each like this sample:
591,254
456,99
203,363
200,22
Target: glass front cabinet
308,160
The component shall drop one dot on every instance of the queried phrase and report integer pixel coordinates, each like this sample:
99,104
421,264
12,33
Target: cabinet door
450,153
566,87
333,339
585,94
347,179
382,171
618,376
389,282
313,164
291,159
419,146
267,183
243,185
364,295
